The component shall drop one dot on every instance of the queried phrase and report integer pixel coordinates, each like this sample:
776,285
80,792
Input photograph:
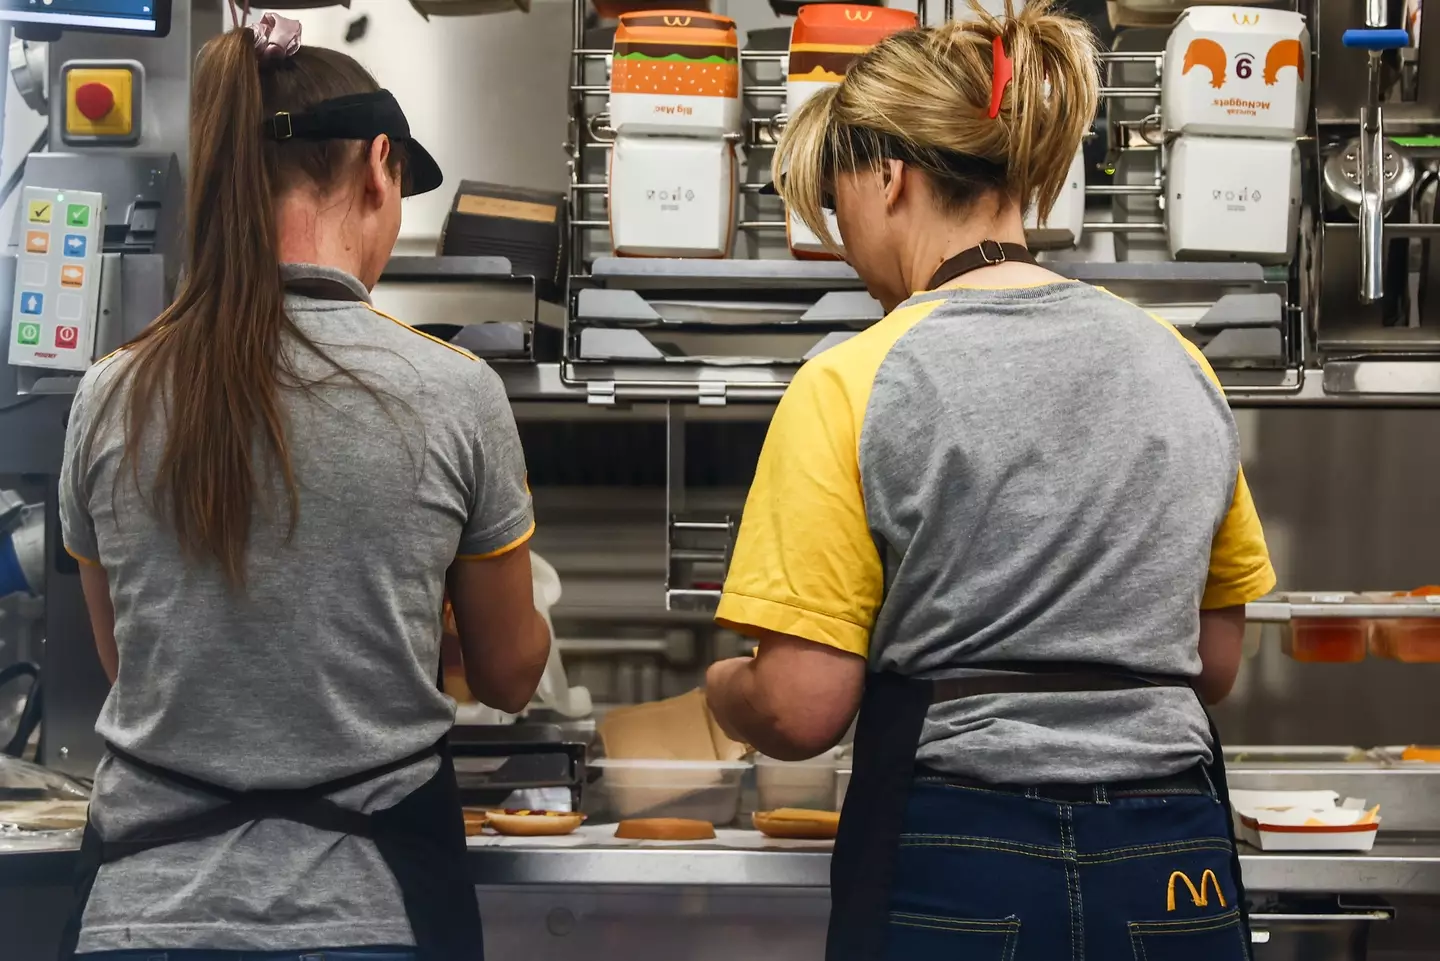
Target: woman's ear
378,177
892,181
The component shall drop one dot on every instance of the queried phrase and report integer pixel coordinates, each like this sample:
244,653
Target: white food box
800,238
1287,821
1231,199
1149,13
1237,71
672,197
1064,226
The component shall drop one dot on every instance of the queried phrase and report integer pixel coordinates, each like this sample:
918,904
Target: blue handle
1376,39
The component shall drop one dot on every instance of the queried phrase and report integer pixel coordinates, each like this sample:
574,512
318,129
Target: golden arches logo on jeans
1200,897
858,16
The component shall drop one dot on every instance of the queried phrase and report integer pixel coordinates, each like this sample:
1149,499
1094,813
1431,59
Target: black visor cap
362,116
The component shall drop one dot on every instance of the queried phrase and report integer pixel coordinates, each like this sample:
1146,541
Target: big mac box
824,41
674,102
1237,72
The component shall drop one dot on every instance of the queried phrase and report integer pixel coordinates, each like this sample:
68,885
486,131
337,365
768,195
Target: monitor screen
140,17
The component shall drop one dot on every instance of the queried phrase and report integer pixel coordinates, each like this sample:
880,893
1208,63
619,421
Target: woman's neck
312,230
1002,222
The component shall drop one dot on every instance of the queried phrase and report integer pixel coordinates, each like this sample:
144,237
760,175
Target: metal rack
632,346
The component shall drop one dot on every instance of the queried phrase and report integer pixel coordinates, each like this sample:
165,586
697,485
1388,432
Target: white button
34,273
69,307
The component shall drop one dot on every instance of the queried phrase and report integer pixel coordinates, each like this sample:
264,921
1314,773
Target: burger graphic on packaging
675,53
827,37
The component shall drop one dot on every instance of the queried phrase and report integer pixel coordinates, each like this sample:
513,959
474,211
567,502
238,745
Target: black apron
887,736
421,839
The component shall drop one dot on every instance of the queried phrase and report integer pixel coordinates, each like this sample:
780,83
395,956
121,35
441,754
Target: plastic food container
697,790
1327,640
1413,640
842,784
796,784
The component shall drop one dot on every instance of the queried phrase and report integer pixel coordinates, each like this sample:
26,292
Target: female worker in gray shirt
1007,526
269,492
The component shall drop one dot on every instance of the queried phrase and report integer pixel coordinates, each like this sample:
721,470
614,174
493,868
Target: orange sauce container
1413,640
1327,640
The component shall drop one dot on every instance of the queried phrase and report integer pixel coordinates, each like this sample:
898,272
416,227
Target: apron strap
310,806
987,253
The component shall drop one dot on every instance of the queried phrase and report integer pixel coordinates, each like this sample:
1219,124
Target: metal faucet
1375,39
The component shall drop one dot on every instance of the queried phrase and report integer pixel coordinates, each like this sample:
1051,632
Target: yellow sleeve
1240,568
804,562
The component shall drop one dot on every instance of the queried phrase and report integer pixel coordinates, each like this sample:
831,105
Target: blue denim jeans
990,876
327,954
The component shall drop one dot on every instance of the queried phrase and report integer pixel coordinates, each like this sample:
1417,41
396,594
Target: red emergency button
94,101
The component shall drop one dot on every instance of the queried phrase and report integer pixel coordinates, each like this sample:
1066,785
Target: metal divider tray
477,303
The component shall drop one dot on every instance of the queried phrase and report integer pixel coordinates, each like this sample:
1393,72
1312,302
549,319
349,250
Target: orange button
94,100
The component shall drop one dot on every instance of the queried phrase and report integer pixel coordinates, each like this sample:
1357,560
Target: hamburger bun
534,824
794,823
665,829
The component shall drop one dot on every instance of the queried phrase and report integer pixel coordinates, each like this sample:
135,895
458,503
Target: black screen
143,17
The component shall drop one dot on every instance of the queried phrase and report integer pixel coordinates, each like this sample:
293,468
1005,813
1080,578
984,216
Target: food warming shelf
478,303
713,331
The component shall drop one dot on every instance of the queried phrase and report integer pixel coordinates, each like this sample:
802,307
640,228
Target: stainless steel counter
1395,867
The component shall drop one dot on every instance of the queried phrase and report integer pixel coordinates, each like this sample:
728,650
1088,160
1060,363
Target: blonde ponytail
923,96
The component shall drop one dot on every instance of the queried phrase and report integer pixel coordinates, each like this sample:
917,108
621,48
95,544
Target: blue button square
32,303
74,245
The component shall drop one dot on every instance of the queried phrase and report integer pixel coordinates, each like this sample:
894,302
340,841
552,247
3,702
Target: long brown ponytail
214,362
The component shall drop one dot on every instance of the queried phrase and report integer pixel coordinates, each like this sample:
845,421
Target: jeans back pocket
918,937
1220,937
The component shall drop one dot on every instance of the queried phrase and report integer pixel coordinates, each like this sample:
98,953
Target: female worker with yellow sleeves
1007,526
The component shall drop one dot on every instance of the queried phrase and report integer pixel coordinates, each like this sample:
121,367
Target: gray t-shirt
1031,474
324,666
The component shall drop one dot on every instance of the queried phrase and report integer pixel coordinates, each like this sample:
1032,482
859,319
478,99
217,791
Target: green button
27,334
77,215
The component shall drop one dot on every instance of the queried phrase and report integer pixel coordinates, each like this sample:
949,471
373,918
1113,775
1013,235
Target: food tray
698,790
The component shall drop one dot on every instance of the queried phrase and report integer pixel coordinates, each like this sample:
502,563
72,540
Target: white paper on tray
1299,808
1314,800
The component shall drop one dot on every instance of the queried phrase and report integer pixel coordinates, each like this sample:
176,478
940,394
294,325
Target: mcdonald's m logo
1200,897
677,21
1245,19
860,16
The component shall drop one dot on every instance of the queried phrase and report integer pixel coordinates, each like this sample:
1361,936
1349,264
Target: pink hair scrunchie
276,38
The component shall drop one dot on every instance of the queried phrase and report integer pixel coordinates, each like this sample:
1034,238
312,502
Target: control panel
102,102
57,279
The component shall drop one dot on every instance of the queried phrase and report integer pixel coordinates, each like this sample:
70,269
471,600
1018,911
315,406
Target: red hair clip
1001,73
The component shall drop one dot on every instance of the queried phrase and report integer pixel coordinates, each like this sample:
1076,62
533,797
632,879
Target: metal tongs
1376,38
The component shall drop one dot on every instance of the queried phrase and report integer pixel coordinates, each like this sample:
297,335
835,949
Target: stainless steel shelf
1244,388
1394,867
